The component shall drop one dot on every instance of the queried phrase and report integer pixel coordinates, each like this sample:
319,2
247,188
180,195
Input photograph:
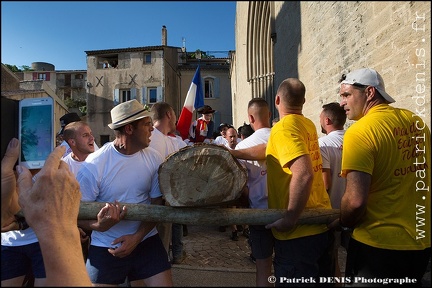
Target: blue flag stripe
199,98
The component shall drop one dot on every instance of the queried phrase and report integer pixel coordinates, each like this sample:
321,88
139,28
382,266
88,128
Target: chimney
164,36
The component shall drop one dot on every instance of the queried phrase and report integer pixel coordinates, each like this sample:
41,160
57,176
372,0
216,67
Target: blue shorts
18,261
299,257
261,241
148,259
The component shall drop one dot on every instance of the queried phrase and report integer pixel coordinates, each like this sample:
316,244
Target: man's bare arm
354,200
253,153
108,216
299,191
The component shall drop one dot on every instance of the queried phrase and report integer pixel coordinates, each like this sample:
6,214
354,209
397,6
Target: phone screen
36,131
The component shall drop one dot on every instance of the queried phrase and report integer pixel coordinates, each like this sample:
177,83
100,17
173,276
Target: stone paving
206,247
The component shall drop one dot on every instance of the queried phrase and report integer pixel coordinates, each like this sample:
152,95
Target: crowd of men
376,172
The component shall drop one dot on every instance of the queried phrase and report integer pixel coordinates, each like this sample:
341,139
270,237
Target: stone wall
318,41
9,82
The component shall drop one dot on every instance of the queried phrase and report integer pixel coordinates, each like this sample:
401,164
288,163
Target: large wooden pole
209,215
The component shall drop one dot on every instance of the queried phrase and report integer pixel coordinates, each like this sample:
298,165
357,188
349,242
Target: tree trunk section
201,175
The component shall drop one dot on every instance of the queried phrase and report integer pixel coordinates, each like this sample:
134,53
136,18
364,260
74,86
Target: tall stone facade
319,41
118,75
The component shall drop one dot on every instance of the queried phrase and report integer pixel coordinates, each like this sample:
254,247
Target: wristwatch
344,228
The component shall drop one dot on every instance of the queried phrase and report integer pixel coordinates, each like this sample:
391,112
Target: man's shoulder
262,132
334,138
156,138
154,154
67,158
323,141
220,140
97,154
178,141
260,136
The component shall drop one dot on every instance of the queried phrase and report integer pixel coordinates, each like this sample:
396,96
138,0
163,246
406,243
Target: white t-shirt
257,170
220,141
165,144
107,175
331,153
179,143
74,165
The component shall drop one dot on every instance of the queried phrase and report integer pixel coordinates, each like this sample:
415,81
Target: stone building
319,41
150,74
215,74
40,71
68,85
71,84
118,75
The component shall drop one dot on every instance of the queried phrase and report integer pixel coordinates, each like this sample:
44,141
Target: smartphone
36,131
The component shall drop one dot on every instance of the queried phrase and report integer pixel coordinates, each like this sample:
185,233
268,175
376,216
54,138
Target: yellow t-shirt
294,136
386,144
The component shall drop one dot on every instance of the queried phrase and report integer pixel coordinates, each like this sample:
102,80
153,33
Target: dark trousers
375,263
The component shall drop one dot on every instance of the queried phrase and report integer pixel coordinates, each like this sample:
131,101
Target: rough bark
208,216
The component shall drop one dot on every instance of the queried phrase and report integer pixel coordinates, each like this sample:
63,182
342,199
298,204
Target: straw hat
127,112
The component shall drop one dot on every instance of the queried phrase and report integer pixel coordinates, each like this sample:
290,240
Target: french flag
194,100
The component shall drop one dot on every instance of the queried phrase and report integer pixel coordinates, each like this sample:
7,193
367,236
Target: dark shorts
148,259
261,241
21,260
297,258
367,262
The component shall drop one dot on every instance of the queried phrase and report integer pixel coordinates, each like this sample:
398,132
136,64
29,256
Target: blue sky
60,32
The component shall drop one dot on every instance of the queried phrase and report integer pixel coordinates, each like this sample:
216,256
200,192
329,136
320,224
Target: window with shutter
147,58
211,87
125,95
41,76
152,95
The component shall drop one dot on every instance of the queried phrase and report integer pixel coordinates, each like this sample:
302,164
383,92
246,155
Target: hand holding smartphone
36,131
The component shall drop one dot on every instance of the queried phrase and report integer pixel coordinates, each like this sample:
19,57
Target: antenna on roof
184,44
